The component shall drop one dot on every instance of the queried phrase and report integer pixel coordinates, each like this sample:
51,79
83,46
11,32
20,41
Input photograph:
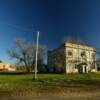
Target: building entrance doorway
82,68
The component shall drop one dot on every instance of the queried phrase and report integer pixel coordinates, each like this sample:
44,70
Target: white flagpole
36,56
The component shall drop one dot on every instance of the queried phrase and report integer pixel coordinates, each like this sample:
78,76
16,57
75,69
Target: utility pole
36,55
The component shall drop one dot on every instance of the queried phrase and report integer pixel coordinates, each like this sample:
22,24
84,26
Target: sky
55,19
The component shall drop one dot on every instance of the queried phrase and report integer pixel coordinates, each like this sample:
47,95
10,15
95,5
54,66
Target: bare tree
25,54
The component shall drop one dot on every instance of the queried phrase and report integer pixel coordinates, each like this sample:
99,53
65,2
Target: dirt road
68,96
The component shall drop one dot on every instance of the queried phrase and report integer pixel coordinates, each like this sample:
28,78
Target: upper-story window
70,53
83,54
93,55
3,66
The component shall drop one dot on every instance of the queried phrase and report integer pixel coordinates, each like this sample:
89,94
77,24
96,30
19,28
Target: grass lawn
24,85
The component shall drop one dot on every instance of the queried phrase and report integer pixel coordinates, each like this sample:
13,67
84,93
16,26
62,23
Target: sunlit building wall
73,58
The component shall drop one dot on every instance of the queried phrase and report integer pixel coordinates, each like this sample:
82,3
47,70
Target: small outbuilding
6,67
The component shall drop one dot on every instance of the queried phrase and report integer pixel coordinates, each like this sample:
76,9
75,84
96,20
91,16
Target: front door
85,69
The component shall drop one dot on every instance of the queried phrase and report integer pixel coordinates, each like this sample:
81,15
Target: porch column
87,69
83,67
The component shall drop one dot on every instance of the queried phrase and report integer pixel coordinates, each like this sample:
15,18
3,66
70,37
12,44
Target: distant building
72,58
6,67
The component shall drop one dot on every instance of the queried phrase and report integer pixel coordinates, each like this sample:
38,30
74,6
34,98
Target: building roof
73,41
78,42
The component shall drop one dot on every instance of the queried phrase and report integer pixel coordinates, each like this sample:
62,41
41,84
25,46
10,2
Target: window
3,66
70,53
93,55
11,66
83,54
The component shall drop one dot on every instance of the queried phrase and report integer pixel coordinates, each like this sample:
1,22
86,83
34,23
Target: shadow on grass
5,94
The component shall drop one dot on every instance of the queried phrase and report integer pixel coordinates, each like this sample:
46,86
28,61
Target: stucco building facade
73,58
6,67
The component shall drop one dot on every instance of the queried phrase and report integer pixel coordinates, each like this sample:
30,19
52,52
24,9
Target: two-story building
72,58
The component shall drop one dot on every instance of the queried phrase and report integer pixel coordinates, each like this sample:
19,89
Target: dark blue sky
55,19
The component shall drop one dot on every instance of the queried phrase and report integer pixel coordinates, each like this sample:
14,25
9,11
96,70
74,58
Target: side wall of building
56,60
